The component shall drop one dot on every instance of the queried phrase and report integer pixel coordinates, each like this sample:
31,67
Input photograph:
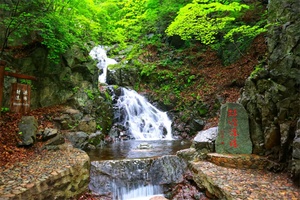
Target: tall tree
58,23
17,19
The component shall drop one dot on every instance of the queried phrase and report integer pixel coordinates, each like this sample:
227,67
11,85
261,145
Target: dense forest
188,57
167,40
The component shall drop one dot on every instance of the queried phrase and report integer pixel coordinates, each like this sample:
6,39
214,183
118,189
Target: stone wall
272,95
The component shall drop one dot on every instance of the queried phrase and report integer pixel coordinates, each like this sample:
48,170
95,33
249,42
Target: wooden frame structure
16,75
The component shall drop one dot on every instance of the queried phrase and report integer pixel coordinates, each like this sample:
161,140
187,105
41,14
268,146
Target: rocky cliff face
57,83
72,81
272,95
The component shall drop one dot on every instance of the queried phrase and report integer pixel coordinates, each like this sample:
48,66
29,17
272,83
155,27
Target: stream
148,135
129,149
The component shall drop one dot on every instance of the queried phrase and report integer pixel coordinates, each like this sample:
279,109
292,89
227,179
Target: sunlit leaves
245,30
205,19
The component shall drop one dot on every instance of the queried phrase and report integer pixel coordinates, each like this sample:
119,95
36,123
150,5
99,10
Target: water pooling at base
143,122
129,149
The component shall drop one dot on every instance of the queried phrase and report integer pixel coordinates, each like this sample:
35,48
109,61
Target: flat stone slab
240,161
233,130
238,184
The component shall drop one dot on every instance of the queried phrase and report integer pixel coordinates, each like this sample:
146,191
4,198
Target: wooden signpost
20,93
20,98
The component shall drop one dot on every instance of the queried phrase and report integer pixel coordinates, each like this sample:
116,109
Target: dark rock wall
272,95
57,82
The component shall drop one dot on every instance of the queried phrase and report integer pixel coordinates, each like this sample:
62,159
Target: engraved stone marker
233,135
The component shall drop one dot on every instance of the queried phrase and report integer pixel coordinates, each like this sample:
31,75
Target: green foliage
4,109
59,24
245,31
147,70
107,96
16,18
90,94
98,127
256,71
25,81
207,20
75,89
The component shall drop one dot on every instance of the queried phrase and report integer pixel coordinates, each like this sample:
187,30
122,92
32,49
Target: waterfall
98,53
143,120
136,191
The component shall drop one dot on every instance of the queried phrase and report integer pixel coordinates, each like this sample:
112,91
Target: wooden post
22,76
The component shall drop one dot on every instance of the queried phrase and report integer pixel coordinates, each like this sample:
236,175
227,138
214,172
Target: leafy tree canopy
206,20
60,24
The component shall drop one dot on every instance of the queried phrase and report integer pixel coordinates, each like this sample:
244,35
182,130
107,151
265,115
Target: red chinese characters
222,137
232,113
233,122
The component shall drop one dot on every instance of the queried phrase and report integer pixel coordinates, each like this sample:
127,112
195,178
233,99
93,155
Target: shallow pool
129,149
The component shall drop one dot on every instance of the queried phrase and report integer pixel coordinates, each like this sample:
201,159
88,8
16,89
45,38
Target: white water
144,121
98,53
139,193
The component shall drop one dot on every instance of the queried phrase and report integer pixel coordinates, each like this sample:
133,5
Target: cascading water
143,120
138,191
98,53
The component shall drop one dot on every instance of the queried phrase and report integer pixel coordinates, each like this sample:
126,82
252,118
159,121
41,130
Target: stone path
240,184
226,183
39,174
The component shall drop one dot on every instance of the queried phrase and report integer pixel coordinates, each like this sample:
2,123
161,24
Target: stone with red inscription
233,135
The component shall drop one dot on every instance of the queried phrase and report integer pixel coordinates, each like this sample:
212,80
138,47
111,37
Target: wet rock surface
107,176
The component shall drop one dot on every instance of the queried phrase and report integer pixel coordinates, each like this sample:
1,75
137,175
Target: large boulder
206,138
123,76
114,176
78,139
28,128
167,170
